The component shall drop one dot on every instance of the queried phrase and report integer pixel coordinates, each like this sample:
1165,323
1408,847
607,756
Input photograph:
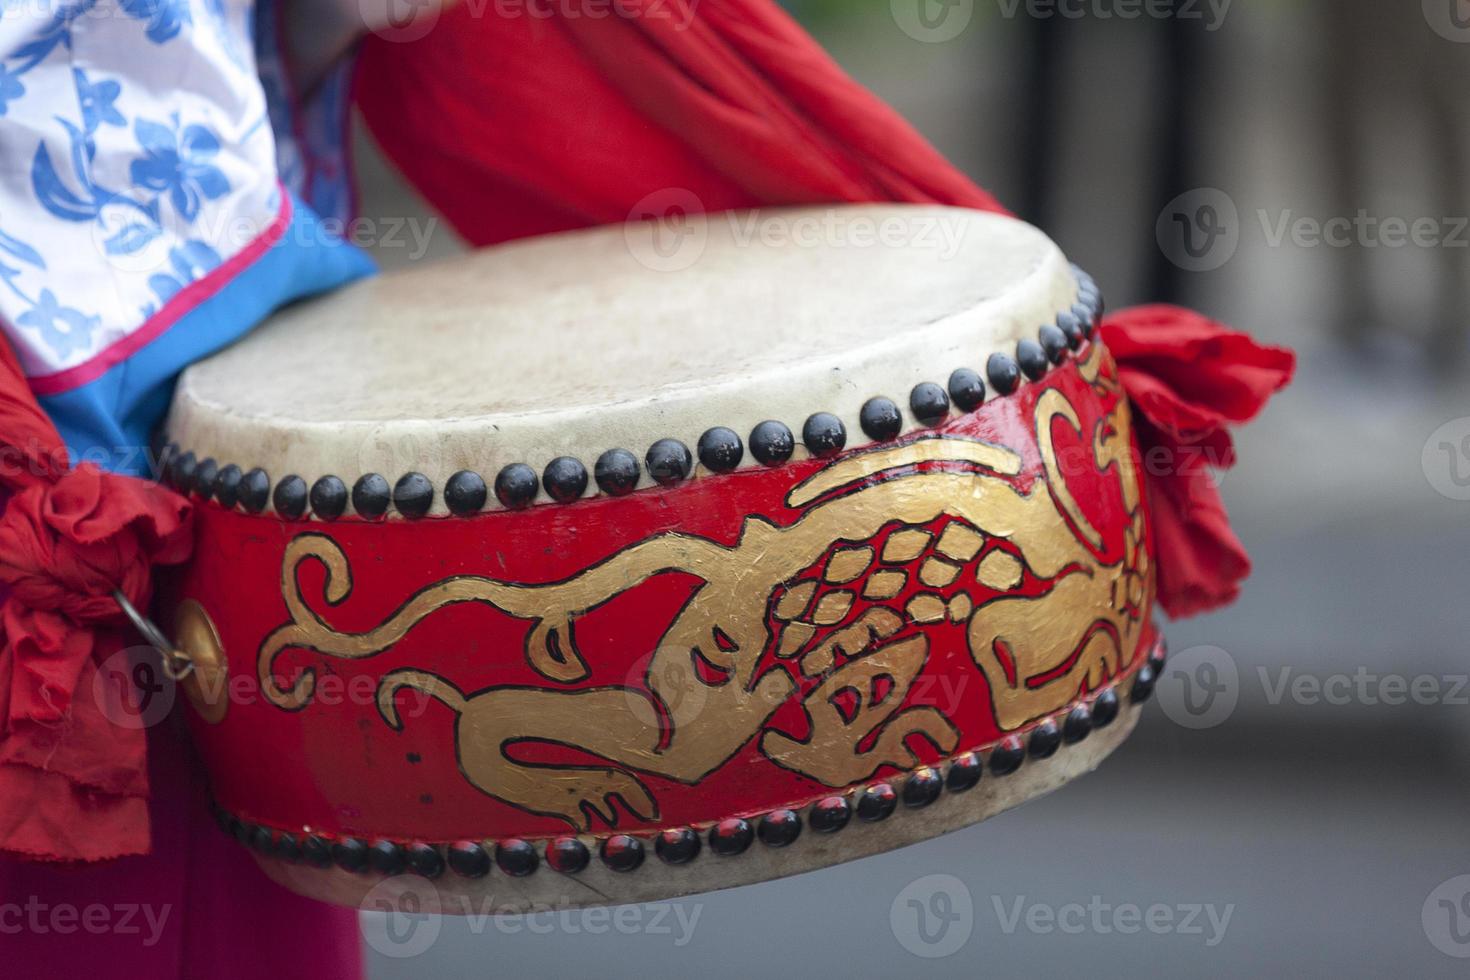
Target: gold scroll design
681,722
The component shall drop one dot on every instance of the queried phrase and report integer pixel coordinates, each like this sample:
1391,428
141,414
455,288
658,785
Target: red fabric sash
73,786
518,125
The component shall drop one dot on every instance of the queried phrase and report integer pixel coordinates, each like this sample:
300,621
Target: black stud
565,479
204,476
1085,282
567,855
425,860
929,403
966,389
371,496
830,815
679,845
1157,657
328,498
669,461
227,486
921,788
622,852
181,472
1105,709
516,486
824,434
1007,757
242,831
261,840
1071,329
880,419
386,858
964,772
720,449
288,848
1143,684
1077,725
516,857
289,499
1054,342
1045,739
730,837
469,859
1085,318
465,493
1032,359
772,443
413,495
778,828
316,852
876,802
616,472
1004,373
255,490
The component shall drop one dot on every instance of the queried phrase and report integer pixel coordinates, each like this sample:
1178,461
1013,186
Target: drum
639,561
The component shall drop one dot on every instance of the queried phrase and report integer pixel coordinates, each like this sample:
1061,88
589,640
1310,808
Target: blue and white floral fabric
154,205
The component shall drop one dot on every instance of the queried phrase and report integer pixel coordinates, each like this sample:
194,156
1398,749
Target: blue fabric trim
109,421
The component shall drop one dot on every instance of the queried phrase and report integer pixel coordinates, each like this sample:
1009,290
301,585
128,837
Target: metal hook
176,663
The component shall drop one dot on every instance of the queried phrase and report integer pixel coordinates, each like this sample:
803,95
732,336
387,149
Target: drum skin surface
661,673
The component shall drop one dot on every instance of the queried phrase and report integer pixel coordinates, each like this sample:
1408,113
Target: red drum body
770,652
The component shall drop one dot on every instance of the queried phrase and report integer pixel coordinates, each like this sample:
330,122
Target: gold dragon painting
887,541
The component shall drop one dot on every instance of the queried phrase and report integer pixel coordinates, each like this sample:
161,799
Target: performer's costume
114,275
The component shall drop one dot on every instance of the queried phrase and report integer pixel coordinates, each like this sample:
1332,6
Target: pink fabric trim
183,302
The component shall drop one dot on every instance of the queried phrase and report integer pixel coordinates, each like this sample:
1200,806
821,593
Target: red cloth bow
1189,378
73,785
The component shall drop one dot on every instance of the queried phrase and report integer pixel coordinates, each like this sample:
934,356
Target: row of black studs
617,471
680,845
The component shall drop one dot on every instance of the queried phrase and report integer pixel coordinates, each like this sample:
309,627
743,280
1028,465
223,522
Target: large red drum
632,562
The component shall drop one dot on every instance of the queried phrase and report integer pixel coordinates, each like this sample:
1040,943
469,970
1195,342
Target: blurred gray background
1329,826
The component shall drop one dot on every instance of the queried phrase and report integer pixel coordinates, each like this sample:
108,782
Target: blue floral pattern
179,162
132,191
165,18
62,327
97,101
10,87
